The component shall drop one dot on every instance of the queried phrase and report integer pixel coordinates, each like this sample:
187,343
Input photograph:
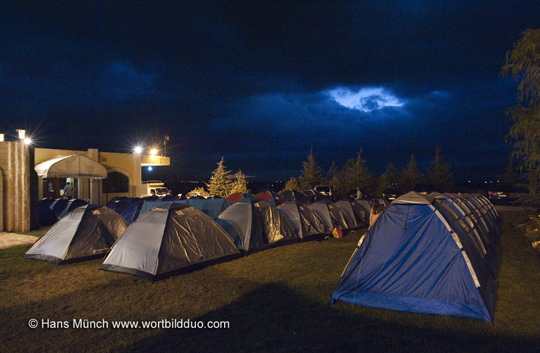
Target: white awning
74,166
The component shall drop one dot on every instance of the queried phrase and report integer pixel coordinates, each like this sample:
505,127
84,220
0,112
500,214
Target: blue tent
412,259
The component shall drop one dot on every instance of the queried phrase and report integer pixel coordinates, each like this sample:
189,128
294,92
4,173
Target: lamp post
165,139
22,134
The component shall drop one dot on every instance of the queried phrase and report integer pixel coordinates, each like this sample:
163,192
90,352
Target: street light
138,149
22,134
153,151
27,141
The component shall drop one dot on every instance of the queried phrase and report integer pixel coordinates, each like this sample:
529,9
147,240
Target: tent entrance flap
74,166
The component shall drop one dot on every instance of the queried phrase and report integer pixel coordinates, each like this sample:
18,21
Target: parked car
326,190
502,193
391,193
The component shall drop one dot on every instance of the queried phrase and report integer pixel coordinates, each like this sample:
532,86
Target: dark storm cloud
250,80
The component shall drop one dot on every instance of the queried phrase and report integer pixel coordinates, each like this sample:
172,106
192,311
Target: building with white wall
28,174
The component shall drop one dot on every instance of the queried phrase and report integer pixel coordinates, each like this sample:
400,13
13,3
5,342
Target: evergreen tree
389,178
523,63
440,175
220,182
311,174
198,192
411,176
510,176
240,184
291,184
356,175
332,171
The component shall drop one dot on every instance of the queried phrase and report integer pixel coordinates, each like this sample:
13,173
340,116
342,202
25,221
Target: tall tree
311,173
354,174
523,63
332,171
411,176
292,184
389,178
358,174
220,182
240,184
439,174
510,176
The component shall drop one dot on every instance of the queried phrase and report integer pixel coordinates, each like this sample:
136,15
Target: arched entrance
57,171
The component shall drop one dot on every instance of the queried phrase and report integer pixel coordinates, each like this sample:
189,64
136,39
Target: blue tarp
411,261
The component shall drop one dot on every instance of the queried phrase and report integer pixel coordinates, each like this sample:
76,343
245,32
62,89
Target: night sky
263,82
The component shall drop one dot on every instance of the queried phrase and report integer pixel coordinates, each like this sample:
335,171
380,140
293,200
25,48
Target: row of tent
429,254
50,211
426,253
344,215
174,236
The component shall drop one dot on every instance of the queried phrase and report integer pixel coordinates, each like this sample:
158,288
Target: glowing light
153,151
22,134
1,137
138,149
27,141
366,99
150,169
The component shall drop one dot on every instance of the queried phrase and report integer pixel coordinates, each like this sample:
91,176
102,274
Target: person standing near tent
376,209
68,191
359,194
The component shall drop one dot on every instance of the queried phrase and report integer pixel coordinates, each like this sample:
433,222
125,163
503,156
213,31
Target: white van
326,190
154,188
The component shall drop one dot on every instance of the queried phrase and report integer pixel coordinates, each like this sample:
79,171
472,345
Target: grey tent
86,232
361,214
296,196
167,240
255,225
305,222
331,214
348,212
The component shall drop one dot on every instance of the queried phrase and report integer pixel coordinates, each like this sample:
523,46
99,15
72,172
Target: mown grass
275,300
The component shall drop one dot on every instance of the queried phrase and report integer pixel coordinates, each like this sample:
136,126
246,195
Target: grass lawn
274,300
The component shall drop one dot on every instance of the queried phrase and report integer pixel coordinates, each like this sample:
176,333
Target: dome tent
255,225
305,222
330,214
169,239
271,197
416,259
238,196
86,232
296,196
361,213
352,219
46,216
71,205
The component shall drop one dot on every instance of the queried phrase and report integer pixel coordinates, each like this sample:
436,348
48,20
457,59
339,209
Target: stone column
17,187
95,184
135,189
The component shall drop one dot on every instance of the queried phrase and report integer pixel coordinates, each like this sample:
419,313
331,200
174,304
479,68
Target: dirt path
11,239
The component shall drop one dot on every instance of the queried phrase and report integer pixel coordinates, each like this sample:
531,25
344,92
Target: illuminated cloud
366,99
